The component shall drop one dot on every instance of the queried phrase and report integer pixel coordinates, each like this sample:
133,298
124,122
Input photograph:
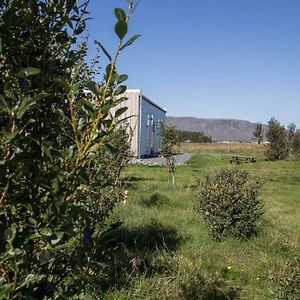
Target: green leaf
28,72
75,88
66,85
93,87
88,105
55,185
44,257
25,85
130,41
59,236
47,151
40,96
120,111
111,149
0,45
120,14
28,103
121,29
104,50
121,89
122,78
29,279
3,104
6,290
67,153
46,231
10,233
9,136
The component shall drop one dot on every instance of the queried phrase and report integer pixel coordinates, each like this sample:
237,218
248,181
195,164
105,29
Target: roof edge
146,98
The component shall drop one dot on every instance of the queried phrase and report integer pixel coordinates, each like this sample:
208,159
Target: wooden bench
240,159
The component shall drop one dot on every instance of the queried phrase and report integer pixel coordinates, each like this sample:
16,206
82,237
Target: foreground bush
229,203
60,174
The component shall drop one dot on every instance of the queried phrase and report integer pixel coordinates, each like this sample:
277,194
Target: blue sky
211,58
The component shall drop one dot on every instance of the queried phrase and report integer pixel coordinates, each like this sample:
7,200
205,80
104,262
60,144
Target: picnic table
240,159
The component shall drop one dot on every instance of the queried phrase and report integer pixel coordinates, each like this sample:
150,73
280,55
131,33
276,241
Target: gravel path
180,159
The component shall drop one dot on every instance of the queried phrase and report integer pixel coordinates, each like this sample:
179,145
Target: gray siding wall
151,120
145,120
131,114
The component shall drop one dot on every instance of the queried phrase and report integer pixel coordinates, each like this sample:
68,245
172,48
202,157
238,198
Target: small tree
169,140
295,145
276,135
258,133
290,134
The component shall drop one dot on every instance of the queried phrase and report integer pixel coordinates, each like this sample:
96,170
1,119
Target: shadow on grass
130,181
130,252
148,238
197,287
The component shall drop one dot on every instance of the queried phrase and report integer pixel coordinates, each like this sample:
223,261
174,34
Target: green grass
163,247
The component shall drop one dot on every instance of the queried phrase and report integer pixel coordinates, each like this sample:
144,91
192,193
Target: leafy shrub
286,281
229,203
58,181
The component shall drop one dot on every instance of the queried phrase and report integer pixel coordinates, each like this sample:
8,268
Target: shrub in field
229,203
59,176
286,281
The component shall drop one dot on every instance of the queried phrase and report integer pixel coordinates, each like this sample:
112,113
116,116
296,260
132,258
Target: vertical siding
145,122
132,116
150,139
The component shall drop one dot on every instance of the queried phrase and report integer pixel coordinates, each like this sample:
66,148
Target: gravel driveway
180,159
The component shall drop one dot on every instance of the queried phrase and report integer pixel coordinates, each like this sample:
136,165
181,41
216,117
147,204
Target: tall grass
165,252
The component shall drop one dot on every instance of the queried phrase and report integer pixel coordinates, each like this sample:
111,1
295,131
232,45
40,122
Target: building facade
145,118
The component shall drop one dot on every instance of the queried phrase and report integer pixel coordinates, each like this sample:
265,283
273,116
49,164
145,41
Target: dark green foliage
276,136
286,281
229,203
117,154
193,137
60,173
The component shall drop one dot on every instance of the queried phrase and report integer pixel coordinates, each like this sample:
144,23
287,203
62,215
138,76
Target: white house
145,118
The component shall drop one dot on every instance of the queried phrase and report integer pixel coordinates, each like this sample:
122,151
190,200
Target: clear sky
211,58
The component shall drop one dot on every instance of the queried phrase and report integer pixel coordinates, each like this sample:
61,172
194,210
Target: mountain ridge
220,129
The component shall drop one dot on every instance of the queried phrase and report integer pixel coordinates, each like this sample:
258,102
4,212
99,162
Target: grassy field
163,250
228,148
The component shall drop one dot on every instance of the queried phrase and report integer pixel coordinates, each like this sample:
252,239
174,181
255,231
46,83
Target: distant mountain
218,129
